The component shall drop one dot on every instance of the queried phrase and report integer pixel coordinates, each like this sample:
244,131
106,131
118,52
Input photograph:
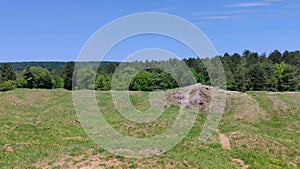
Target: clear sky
56,30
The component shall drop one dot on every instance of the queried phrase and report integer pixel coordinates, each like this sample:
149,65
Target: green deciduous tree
103,82
86,78
277,76
38,77
58,82
249,71
143,81
7,85
122,78
21,82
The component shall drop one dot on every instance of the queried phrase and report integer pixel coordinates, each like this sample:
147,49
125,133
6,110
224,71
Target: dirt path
224,140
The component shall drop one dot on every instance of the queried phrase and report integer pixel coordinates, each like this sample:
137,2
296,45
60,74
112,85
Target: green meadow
40,129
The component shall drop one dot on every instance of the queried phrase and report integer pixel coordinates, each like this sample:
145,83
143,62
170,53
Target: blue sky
35,30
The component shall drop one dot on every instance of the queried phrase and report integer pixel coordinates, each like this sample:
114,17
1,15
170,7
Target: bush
7,85
38,77
21,82
103,82
57,82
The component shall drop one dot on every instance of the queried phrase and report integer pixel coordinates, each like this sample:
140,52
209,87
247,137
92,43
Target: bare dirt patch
8,148
224,141
244,107
242,140
91,160
291,101
87,160
37,96
241,162
196,95
279,106
12,100
295,95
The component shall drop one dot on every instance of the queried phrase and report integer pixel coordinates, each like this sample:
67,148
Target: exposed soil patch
29,98
244,107
278,105
8,148
91,160
12,100
295,95
243,140
224,141
196,95
241,162
286,102
84,161
37,96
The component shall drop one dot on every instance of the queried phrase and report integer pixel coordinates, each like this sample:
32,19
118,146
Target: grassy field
39,129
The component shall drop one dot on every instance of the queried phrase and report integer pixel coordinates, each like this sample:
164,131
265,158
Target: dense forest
244,72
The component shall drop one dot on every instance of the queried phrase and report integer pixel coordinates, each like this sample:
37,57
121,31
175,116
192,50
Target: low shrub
7,85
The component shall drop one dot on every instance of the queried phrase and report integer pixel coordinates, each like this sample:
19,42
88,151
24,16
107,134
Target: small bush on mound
7,85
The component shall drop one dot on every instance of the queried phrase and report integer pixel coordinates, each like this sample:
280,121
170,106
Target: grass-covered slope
39,129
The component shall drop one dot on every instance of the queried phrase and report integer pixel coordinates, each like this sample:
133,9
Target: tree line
243,72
